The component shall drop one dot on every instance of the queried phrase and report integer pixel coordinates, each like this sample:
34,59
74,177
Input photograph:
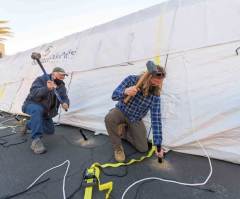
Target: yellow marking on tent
157,60
160,35
158,38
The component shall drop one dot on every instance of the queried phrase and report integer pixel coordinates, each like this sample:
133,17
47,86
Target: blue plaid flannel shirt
138,107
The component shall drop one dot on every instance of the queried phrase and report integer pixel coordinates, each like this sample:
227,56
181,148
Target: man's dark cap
59,69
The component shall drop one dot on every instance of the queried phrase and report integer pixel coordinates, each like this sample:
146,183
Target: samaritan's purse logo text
49,56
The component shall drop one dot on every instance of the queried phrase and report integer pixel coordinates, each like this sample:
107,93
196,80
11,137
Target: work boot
119,154
23,128
37,146
121,129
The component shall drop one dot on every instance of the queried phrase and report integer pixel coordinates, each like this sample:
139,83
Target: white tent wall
206,106
200,97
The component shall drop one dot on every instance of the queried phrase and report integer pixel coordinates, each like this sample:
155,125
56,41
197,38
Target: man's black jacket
40,94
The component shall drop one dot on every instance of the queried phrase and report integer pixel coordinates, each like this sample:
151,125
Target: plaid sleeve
118,93
156,121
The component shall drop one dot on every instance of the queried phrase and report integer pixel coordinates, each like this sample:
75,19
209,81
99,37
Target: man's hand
65,106
159,154
131,91
51,85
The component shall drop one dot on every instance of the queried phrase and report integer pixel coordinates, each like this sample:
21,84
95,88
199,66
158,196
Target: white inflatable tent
195,39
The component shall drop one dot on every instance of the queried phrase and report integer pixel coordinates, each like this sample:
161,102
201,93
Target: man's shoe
23,129
37,146
119,154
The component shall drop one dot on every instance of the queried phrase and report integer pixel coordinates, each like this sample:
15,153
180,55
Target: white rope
173,181
64,178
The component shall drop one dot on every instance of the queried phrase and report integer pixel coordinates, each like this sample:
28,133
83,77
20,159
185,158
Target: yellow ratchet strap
92,175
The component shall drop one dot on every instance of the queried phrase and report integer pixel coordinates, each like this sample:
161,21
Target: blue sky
36,22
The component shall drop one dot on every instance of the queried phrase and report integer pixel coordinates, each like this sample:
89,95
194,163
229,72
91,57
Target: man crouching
42,105
125,120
